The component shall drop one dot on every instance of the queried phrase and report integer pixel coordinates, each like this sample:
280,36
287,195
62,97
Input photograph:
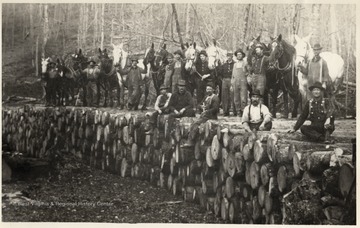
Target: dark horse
108,79
157,62
281,62
72,80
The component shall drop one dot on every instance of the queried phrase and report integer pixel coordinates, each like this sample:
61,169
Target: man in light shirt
256,116
161,104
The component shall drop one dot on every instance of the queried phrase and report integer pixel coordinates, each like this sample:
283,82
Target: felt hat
181,83
316,85
169,56
203,52
51,61
239,50
259,46
91,60
255,92
163,87
134,58
229,54
210,84
178,52
317,46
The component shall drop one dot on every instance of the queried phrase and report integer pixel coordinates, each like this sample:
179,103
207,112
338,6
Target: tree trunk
13,27
45,29
95,25
187,23
31,30
315,23
37,57
334,28
102,25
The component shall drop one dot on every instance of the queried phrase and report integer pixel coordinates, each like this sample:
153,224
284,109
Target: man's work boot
327,139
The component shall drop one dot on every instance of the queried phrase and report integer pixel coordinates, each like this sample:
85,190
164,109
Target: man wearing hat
320,112
181,103
317,70
210,106
51,83
256,116
161,103
169,69
258,70
226,71
239,82
134,81
91,89
203,76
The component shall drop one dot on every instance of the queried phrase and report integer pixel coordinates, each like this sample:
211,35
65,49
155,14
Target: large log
317,162
347,178
224,209
215,148
260,154
254,175
234,210
285,178
266,172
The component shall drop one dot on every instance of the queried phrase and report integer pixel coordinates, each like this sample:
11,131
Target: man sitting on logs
181,103
161,104
256,116
319,111
210,108
134,79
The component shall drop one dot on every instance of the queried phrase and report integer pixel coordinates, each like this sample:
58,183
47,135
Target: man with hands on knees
319,111
256,116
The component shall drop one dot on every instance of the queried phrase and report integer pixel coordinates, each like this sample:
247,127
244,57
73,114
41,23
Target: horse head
78,61
277,49
150,55
44,64
282,54
191,54
160,56
105,62
303,49
213,55
120,55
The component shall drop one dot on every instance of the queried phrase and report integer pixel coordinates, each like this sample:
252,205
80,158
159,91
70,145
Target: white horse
304,53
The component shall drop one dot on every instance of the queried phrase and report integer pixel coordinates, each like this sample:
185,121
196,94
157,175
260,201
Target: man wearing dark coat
210,106
134,81
181,103
320,112
203,76
225,71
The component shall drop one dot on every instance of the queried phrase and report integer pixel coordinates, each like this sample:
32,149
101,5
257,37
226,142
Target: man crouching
256,116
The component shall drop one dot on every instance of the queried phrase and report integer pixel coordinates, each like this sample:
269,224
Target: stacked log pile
240,177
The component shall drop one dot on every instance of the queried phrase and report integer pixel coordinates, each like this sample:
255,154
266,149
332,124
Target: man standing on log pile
161,104
239,84
181,103
203,77
226,71
256,116
134,79
319,111
259,65
210,108
92,75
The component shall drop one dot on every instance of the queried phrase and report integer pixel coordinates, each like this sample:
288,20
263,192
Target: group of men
255,116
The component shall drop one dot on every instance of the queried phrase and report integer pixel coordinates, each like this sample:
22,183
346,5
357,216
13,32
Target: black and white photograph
179,112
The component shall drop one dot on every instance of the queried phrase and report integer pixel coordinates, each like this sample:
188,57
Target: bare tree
45,29
102,25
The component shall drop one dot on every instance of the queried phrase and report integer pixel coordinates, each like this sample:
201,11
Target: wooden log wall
240,177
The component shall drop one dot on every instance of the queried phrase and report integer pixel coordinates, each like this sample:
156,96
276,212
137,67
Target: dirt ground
85,195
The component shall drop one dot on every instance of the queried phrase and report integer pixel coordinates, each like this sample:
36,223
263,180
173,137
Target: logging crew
239,83
256,116
134,82
92,75
226,70
259,65
210,108
202,75
181,103
317,70
320,112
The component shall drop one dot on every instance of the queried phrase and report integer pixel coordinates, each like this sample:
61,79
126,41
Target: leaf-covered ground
85,195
